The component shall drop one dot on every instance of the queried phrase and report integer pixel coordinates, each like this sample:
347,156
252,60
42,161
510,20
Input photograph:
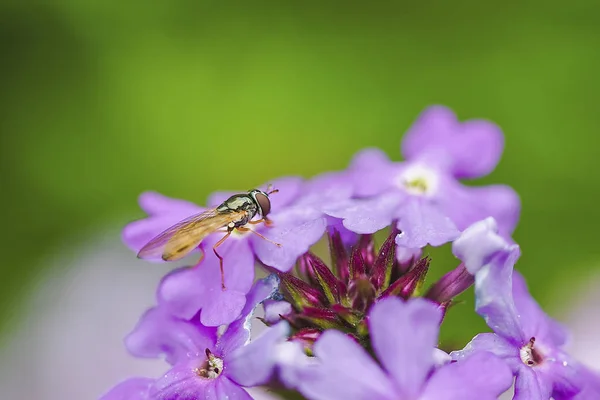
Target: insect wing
178,240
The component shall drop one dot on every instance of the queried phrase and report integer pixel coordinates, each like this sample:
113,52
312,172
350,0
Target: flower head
204,364
525,337
423,193
339,297
403,339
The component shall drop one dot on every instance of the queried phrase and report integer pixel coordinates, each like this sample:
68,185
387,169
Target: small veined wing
178,240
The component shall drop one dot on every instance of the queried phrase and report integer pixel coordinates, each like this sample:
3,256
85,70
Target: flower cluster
362,325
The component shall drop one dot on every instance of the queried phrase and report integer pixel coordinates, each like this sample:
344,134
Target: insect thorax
240,202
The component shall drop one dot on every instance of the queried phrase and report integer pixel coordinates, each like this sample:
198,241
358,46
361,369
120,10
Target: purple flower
204,364
403,337
298,224
527,339
423,193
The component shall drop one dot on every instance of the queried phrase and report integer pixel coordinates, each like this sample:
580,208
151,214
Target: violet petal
367,215
186,291
182,382
370,171
407,361
342,370
488,342
437,133
158,333
467,205
478,243
534,320
238,332
253,364
131,389
481,377
530,384
296,229
422,223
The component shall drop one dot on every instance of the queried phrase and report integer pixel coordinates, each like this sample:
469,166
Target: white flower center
530,356
212,367
419,180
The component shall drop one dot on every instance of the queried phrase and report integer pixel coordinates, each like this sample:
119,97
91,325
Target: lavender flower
298,223
423,193
403,337
205,365
527,339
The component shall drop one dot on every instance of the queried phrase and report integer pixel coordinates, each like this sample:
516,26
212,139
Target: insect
233,214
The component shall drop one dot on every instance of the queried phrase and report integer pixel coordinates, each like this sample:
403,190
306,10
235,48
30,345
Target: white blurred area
69,344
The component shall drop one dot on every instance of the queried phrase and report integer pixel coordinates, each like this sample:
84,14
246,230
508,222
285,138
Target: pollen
530,356
211,368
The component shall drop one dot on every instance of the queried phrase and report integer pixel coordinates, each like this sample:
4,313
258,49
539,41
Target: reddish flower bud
451,285
339,256
299,293
331,287
408,283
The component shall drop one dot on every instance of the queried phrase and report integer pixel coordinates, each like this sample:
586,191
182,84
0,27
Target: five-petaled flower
205,365
403,338
423,193
527,339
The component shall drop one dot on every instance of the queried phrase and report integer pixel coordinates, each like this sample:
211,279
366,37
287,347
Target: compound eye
264,203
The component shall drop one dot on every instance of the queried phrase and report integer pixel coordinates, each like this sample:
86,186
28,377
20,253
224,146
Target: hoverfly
233,214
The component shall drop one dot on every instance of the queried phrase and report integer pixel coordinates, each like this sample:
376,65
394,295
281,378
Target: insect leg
243,229
220,242
266,220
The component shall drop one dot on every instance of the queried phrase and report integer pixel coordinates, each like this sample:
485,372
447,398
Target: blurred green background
101,100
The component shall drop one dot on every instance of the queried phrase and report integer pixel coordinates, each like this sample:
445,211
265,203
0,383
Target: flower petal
409,360
487,342
182,293
186,291
590,390
253,364
237,333
422,223
224,388
223,307
367,215
154,203
325,189
274,309
131,389
467,205
567,377
481,377
296,229
535,321
530,385
182,382
158,333
478,244
437,134
370,171
344,371
491,259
